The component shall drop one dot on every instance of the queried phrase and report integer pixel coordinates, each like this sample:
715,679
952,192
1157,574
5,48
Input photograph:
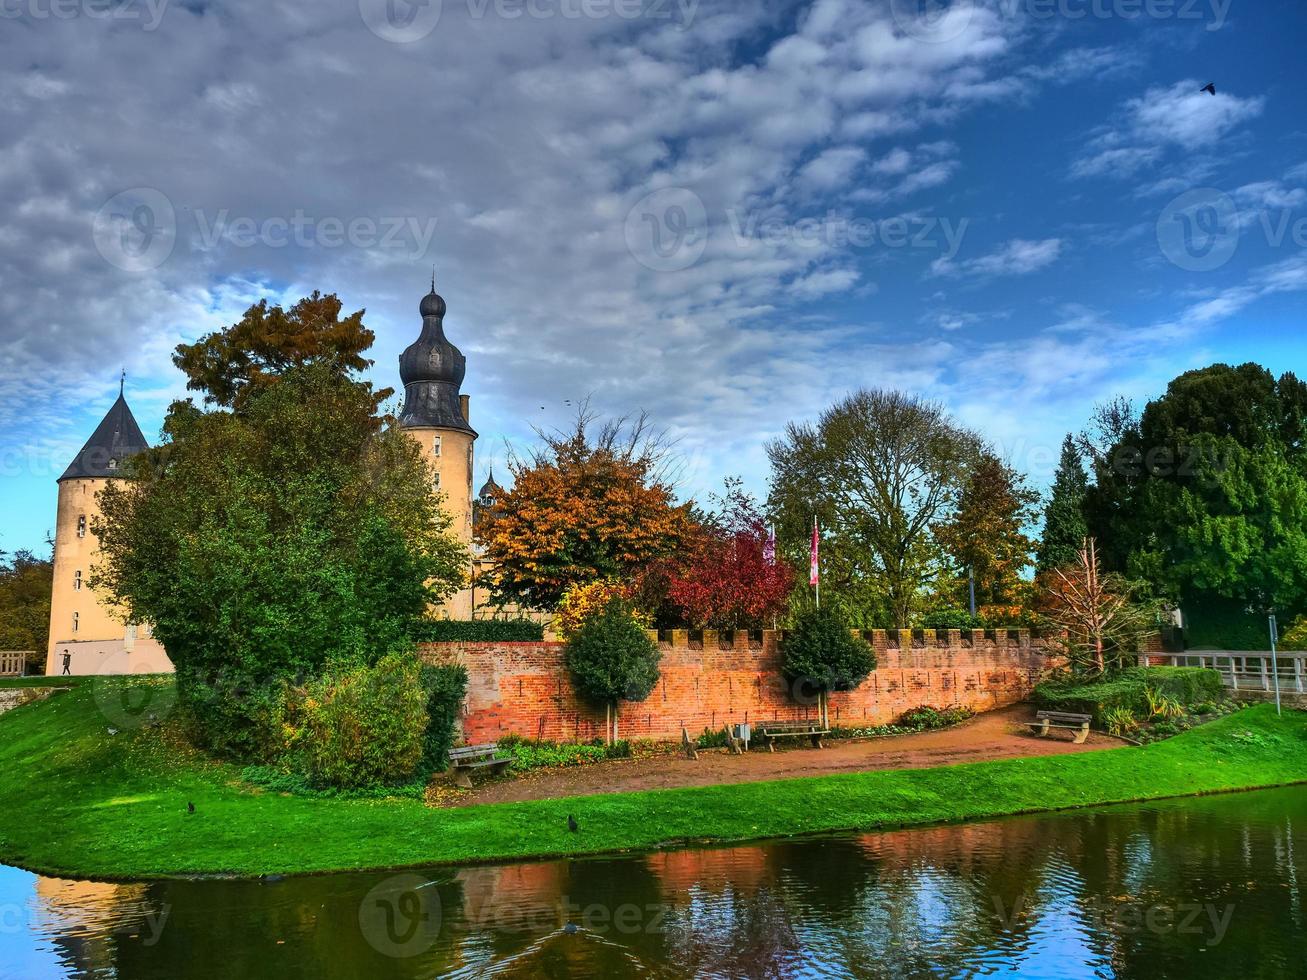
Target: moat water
1194,888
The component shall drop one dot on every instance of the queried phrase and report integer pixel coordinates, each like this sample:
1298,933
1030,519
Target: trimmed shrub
1129,690
611,657
443,687
533,754
949,619
477,631
364,726
821,651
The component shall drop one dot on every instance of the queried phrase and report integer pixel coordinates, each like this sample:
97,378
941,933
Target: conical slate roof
115,440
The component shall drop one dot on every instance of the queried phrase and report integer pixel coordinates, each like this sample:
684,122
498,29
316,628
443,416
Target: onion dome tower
435,413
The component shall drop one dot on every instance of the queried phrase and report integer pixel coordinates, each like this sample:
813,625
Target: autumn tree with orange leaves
596,503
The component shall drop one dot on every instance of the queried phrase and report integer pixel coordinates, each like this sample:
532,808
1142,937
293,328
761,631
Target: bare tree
1097,612
1108,423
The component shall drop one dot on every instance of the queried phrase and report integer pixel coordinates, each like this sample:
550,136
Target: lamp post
1275,666
971,589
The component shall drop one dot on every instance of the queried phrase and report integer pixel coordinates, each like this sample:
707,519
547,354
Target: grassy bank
78,801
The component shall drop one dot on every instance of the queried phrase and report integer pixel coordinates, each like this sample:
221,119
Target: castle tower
81,625
435,413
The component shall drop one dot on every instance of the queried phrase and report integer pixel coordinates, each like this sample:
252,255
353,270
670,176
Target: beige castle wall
453,465
98,624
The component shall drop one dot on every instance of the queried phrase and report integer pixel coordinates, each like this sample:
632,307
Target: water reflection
1199,888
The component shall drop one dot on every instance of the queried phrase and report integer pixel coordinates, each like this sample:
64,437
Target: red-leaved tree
732,580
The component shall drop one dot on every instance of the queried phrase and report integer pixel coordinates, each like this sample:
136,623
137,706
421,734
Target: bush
477,631
532,754
233,717
1129,689
364,726
1120,721
444,688
821,651
949,619
611,657
926,718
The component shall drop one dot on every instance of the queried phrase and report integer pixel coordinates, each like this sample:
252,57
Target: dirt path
993,735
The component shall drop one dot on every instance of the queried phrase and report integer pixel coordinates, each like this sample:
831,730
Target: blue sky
726,214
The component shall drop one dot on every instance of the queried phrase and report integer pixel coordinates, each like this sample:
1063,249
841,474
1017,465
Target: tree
25,586
611,659
1206,498
233,364
268,543
590,504
986,533
1096,611
879,470
821,654
1064,516
733,579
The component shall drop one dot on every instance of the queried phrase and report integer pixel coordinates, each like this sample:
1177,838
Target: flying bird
1210,88
572,825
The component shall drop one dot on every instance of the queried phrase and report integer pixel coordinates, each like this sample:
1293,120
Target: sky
727,214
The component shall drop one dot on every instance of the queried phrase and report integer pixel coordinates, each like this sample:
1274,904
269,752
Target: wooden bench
1069,720
769,731
466,758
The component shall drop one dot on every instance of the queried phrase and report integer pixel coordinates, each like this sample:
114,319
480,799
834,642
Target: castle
88,636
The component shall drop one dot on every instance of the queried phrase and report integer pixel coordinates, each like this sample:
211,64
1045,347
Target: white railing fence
1248,671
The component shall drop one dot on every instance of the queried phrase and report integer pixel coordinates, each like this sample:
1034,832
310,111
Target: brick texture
523,688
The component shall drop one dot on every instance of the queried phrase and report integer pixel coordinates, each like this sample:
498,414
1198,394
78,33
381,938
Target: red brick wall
523,688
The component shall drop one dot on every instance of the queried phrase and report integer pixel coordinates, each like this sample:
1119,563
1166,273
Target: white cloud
1017,257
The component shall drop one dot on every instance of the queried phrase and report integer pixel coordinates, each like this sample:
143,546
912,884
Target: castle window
435,446
435,480
113,464
77,580
81,525
75,622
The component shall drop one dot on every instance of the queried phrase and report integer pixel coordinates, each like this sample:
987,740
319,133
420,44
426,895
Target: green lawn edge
77,802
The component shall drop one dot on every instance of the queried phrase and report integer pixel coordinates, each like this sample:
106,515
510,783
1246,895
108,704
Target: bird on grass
572,825
1209,88
112,731
190,807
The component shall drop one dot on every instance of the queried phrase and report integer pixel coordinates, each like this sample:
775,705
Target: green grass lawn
79,802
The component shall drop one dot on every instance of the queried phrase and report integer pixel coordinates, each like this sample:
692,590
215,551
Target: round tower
435,413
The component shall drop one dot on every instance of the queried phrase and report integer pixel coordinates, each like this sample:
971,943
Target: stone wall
722,678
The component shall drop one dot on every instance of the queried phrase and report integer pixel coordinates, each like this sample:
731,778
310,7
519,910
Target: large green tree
25,586
1065,528
879,470
295,531
1207,495
986,533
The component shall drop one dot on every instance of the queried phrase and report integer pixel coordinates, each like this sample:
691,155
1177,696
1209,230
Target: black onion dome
432,370
488,488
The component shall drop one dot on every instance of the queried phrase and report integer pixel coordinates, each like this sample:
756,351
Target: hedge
444,687
477,631
1188,685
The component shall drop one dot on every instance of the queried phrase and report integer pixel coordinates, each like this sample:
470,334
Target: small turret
432,370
